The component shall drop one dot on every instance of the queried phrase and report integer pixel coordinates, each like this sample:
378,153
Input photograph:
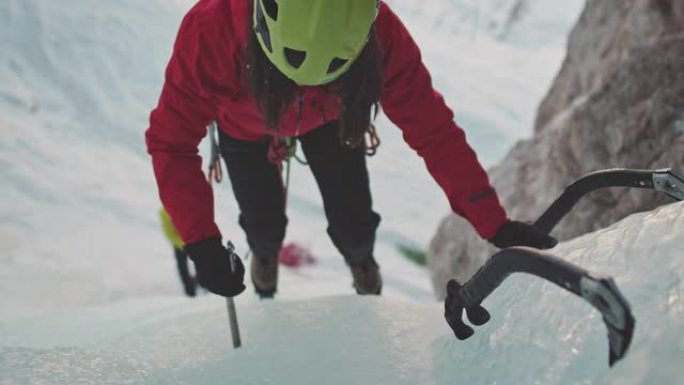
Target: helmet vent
294,57
271,8
336,64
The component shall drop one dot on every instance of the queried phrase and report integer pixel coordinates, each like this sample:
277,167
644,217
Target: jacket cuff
486,214
198,233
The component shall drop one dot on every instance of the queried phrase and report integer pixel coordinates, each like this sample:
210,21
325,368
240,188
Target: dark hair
358,89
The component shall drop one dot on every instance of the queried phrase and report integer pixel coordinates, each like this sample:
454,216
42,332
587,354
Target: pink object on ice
293,255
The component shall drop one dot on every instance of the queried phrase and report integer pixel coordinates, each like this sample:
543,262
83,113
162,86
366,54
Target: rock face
618,101
607,33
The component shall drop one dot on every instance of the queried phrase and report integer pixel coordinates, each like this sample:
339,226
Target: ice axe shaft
664,181
232,319
230,304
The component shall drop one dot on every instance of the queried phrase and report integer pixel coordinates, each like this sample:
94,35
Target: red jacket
206,81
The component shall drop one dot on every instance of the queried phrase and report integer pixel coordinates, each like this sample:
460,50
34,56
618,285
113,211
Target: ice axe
600,292
215,174
664,181
230,304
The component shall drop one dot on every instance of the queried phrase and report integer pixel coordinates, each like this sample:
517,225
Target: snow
493,76
538,332
88,287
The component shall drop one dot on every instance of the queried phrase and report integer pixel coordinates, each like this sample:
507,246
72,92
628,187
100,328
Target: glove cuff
204,248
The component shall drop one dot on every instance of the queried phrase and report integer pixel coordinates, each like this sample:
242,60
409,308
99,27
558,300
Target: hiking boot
367,278
264,273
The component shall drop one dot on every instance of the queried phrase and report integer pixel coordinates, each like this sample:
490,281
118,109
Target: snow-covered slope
538,333
77,218
492,67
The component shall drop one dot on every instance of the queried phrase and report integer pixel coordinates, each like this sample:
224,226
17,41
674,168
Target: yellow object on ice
170,230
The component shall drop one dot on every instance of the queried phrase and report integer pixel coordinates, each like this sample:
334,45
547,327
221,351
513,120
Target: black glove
453,312
513,233
212,263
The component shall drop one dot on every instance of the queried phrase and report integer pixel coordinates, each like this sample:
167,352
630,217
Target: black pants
342,178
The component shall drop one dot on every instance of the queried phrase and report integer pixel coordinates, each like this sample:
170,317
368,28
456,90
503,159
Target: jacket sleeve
177,125
428,126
